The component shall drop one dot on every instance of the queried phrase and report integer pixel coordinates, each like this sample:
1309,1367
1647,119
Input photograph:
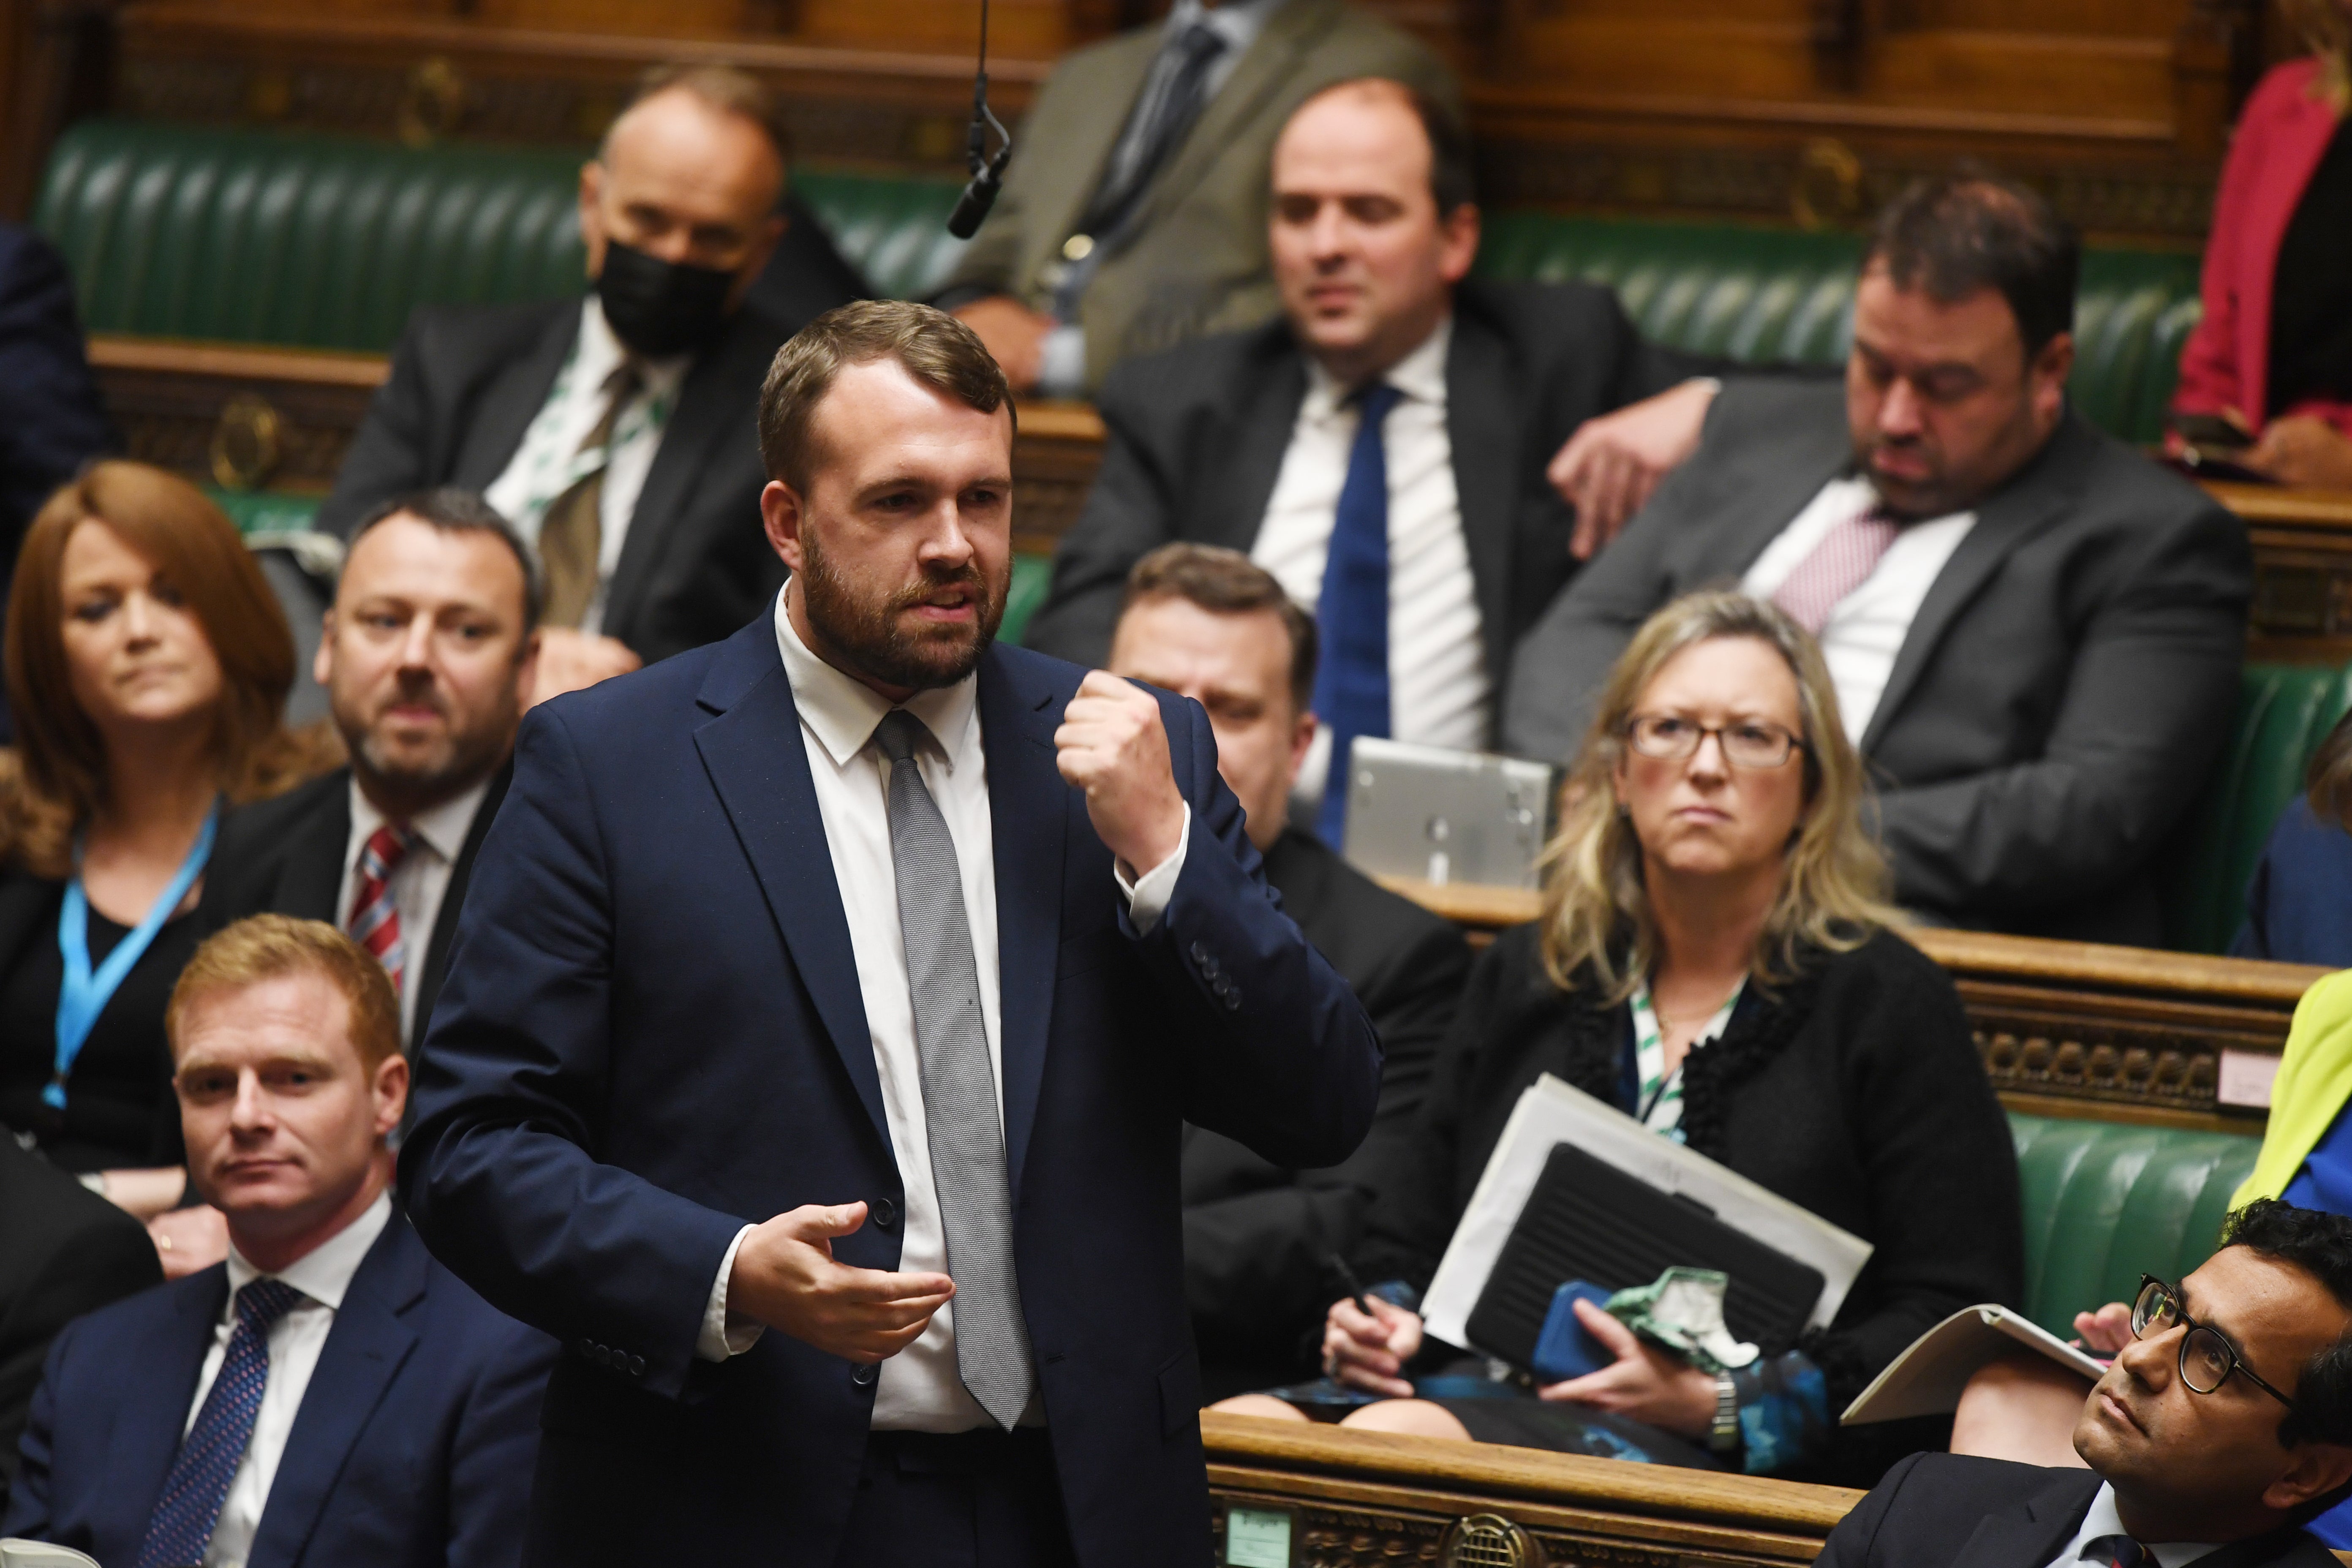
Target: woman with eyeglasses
1714,958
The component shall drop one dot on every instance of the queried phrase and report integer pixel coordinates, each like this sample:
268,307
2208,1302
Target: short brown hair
60,758
722,88
1228,582
1452,182
265,947
932,346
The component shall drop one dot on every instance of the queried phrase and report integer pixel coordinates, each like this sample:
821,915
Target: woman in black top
147,664
1713,960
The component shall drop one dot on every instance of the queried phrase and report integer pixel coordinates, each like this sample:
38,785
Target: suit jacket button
636,1366
885,1213
865,1374
1199,955
1233,1000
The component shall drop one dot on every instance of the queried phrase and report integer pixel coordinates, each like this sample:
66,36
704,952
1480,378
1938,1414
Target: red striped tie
376,918
1843,560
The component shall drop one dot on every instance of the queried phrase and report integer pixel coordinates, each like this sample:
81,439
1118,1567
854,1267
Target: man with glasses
2222,1428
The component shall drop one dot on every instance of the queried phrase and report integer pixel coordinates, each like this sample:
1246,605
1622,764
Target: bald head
688,176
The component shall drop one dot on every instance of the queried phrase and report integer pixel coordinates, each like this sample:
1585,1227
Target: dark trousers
966,1499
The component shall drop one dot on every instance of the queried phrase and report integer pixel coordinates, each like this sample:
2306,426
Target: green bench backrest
328,241
2104,1202
2284,710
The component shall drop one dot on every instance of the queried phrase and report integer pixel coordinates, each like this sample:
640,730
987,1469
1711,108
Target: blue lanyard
83,996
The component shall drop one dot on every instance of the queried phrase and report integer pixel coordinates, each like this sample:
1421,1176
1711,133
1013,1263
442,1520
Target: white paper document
1551,1111
1927,1378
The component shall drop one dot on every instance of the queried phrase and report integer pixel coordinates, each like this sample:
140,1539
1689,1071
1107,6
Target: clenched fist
1113,746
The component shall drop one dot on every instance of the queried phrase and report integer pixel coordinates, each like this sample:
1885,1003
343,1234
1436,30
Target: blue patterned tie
1352,683
2116,1552
209,1454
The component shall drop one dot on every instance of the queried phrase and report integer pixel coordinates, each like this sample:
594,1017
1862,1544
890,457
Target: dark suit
2058,699
1257,1234
63,1251
285,857
412,1446
51,419
466,382
1197,437
1949,1511
651,1035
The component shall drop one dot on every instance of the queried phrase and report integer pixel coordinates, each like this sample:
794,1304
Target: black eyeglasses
2206,1359
1746,743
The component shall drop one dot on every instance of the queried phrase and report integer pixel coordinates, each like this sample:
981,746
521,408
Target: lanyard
82,995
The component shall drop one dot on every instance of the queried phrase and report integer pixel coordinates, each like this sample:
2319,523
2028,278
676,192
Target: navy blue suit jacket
652,1034
413,1448
51,421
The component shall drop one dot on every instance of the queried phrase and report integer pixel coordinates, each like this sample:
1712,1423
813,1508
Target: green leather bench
328,241
2105,1202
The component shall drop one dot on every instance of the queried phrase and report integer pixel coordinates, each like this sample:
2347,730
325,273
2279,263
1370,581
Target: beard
417,777
873,637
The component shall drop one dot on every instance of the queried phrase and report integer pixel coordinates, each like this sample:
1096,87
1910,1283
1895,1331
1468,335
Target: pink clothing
2279,140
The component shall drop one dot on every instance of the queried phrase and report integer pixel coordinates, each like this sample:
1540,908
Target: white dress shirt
1866,628
2103,1520
419,882
1439,693
921,1388
550,462
322,1275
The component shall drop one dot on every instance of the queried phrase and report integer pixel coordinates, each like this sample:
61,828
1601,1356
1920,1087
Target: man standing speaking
823,1018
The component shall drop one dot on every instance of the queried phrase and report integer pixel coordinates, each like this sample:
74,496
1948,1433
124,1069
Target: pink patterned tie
376,918
1843,560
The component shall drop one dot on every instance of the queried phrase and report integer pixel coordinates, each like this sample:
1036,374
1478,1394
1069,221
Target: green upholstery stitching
2105,1202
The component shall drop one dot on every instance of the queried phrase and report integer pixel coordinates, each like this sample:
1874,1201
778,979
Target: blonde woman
1715,959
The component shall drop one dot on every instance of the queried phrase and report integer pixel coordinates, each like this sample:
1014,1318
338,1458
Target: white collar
440,828
323,1273
599,353
1238,21
1420,375
841,712
2104,1519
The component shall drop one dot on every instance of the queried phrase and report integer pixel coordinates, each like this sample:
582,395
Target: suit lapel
1482,428
1016,729
712,409
1069,170
147,1438
365,1352
1264,73
759,765
312,878
1258,440
503,414
2028,1535
2015,513
453,898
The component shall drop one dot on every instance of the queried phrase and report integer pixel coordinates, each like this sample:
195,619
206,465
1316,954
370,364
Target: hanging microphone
987,173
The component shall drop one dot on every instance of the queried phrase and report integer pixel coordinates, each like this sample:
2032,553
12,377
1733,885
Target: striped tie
182,1525
376,918
1842,562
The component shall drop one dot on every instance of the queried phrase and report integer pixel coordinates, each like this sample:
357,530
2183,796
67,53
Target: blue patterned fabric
209,1455
1784,1412
1351,613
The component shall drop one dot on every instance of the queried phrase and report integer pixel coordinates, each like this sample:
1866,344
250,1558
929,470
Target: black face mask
660,308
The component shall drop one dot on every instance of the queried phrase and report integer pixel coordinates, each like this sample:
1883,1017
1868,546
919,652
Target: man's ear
2313,1469
391,1092
783,511
322,663
2050,368
592,221
1459,229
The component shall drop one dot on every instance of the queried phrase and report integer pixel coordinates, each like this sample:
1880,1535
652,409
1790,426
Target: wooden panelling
1368,1498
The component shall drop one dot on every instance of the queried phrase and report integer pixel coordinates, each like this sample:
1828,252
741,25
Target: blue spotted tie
2116,1552
210,1453
1351,616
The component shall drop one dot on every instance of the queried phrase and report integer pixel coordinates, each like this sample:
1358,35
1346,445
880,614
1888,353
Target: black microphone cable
987,173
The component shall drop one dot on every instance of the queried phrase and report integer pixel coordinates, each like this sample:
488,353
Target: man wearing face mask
616,432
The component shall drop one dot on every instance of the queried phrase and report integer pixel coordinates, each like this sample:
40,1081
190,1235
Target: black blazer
1197,435
63,1251
1949,1511
1257,1234
285,857
52,419
2061,696
1853,1091
467,381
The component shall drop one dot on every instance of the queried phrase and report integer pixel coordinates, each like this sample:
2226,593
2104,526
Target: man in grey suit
1134,213
2035,633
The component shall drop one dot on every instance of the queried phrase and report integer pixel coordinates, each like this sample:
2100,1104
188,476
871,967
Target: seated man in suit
329,1395
2034,632
616,431
2221,1429
1133,216
63,1251
1397,422
51,419
1209,624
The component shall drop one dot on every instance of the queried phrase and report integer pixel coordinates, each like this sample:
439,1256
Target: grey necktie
967,1143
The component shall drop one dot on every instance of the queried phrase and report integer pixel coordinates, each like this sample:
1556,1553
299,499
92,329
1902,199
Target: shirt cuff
1062,363
1148,895
717,1342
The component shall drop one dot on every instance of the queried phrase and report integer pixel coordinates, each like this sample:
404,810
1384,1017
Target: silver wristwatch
1724,1436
